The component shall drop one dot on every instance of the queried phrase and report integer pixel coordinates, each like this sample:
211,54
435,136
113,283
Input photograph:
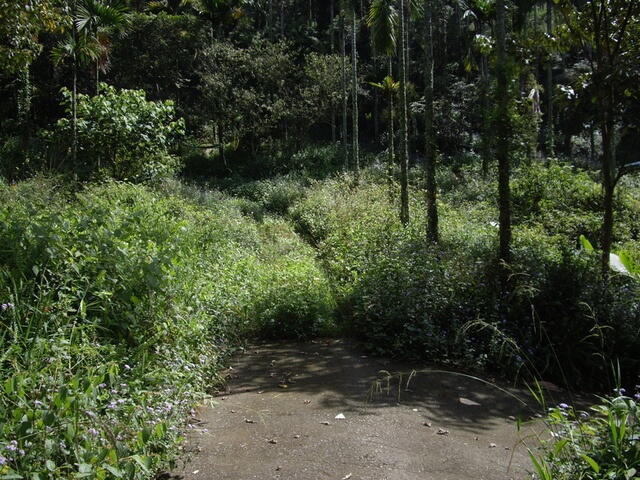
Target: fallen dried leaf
427,424
273,441
442,431
466,401
306,402
248,420
347,477
324,423
340,416
492,445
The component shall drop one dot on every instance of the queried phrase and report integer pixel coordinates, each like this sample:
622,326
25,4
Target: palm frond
382,19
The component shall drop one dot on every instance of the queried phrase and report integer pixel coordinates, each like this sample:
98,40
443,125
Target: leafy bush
275,195
118,304
120,134
599,443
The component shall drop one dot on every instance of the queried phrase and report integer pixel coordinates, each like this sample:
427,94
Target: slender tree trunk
487,133
502,146
24,107
429,133
354,100
271,28
550,130
608,185
392,130
74,116
343,56
74,99
332,36
221,144
282,18
404,141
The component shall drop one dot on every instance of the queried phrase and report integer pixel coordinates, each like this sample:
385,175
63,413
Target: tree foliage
122,135
20,25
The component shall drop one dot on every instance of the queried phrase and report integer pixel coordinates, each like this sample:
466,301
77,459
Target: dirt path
281,418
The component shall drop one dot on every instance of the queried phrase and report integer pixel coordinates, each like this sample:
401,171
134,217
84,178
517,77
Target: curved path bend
324,410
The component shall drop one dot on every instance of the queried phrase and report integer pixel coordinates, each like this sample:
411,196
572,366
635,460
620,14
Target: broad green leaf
592,463
586,244
144,462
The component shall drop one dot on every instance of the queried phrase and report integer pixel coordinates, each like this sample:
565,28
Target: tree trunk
550,131
333,46
343,56
392,132
282,18
429,131
354,101
502,147
404,141
608,185
74,117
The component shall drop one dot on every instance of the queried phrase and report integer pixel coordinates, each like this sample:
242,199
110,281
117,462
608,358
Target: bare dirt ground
325,410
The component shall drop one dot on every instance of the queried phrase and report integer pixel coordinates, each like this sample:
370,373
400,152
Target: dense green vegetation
448,181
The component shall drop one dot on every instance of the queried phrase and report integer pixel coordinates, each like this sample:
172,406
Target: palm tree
354,100
343,57
80,50
404,138
390,88
502,143
382,20
94,19
220,13
430,132
87,42
383,17
173,7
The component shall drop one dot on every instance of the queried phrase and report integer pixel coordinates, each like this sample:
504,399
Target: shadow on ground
324,410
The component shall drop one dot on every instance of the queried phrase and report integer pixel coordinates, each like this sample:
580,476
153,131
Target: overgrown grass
404,296
121,303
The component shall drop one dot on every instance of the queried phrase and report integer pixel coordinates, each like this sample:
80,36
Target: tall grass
119,304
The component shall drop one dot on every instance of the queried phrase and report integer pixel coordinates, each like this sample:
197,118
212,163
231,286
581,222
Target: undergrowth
119,303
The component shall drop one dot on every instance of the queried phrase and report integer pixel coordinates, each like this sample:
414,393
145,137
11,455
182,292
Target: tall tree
430,131
382,19
220,14
96,19
20,25
606,31
550,136
343,56
355,154
404,136
503,131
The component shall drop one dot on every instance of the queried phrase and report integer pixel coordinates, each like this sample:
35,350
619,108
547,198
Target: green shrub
275,195
121,302
120,135
599,443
